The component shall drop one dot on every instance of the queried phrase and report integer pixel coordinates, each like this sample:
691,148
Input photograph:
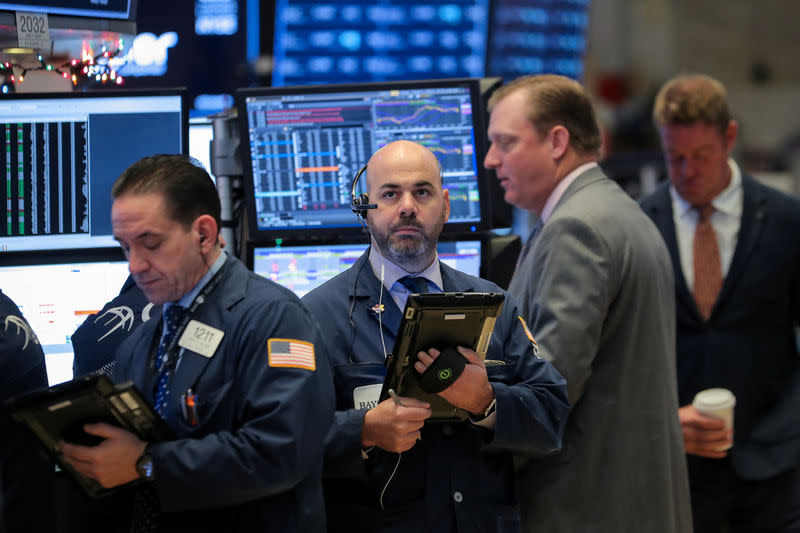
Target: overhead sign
116,9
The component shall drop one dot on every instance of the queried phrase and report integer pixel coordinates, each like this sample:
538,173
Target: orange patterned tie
707,265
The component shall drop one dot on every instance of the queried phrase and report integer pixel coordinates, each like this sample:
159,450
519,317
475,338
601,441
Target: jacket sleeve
26,477
782,418
343,458
280,420
531,395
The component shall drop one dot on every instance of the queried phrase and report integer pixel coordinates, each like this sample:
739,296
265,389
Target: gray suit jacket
597,290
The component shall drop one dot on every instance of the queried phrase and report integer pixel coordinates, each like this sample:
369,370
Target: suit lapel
754,215
231,289
663,218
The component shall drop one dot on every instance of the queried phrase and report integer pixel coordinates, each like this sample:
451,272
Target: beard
412,252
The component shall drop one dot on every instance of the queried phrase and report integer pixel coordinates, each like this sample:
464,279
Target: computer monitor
464,255
335,42
201,132
302,268
537,37
56,297
116,9
303,145
63,153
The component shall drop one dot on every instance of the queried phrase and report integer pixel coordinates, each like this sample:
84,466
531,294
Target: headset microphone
359,203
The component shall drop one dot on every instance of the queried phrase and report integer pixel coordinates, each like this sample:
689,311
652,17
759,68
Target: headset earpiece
359,203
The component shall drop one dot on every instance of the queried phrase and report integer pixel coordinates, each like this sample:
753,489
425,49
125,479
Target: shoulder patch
119,317
291,353
530,337
22,328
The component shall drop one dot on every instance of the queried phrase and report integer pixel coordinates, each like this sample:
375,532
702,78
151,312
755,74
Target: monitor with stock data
303,145
63,153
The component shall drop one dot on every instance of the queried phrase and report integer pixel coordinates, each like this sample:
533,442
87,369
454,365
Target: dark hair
690,99
556,100
187,188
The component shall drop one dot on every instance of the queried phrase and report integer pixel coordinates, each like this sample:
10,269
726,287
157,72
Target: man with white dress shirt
736,258
596,287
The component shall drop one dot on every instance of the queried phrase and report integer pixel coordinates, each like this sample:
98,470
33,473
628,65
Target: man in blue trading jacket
238,372
386,469
26,478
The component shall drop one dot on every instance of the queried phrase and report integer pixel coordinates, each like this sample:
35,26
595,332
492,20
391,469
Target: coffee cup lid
714,399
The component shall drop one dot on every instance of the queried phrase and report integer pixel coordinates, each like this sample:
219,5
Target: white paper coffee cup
718,403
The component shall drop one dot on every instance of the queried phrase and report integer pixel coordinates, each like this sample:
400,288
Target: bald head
404,180
402,157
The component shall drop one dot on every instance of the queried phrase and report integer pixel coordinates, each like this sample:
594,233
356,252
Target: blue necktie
172,320
146,507
415,284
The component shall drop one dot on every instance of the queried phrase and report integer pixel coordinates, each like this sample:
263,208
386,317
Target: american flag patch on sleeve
291,353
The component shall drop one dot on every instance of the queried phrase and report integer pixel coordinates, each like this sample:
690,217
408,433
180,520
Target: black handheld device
443,321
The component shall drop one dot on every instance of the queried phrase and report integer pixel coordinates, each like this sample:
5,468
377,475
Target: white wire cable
383,345
380,309
399,456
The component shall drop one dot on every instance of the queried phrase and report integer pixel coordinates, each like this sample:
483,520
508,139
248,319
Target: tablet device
60,412
443,321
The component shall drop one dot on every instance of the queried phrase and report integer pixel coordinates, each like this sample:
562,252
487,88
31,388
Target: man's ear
559,137
206,230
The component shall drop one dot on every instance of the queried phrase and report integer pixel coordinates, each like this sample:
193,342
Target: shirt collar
189,297
558,192
393,272
727,201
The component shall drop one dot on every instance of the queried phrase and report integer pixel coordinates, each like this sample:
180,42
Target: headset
360,203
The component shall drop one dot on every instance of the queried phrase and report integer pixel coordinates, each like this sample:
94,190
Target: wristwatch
144,466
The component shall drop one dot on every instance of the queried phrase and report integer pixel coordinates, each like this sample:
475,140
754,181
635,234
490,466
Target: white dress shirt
392,273
726,220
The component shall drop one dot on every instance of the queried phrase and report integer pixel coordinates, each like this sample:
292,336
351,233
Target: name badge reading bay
201,338
367,396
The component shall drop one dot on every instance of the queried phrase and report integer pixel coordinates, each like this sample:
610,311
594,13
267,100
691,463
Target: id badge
201,338
367,396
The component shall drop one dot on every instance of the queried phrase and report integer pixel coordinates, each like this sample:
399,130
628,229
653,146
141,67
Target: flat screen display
302,268
537,37
114,9
55,298
304,144
201,133
369,40
63,153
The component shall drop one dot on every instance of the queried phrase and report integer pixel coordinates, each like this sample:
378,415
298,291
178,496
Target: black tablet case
59,413
439,320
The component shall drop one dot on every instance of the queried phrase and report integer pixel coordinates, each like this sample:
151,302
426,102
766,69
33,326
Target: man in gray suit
595,283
